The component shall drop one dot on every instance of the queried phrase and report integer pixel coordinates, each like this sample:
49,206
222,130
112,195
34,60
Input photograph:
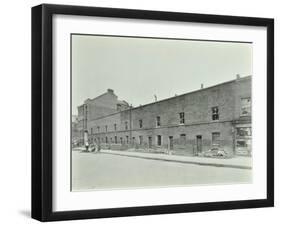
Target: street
107,171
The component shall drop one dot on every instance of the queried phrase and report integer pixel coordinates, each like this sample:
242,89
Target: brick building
186,124
75,131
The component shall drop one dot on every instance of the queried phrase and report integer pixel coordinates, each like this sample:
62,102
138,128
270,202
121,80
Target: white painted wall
15,88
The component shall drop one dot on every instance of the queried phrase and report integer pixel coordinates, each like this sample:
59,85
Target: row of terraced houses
186,124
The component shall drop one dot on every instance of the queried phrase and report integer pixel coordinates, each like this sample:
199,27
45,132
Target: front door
199,143
171,143
149,142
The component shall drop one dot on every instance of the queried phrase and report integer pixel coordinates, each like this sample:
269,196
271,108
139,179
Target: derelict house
187,124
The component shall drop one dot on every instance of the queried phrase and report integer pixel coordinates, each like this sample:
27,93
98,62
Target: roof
178,96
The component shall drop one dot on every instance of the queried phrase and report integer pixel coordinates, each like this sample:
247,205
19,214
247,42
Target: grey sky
138,68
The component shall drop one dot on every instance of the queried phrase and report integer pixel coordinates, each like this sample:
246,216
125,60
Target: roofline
198,90
170,98
99,96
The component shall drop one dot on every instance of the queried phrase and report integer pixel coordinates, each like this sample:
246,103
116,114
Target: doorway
149,142
171,143
199,144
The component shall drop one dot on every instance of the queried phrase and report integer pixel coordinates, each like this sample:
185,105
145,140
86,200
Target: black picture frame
42,106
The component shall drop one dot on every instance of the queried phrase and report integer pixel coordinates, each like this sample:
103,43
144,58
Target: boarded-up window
182,139
216,138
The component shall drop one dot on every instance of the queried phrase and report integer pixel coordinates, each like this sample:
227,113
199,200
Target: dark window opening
182,121
158,122
159,140
140,123
215,113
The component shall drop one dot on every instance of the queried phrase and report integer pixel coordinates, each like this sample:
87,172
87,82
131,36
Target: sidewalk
239,162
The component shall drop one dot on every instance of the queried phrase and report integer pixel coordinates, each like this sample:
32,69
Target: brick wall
197,108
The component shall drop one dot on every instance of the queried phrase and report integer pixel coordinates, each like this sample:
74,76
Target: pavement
115,171
239,162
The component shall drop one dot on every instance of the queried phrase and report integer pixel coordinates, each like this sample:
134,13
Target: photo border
42,108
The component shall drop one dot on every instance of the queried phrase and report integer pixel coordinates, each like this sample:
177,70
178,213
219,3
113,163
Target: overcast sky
139,68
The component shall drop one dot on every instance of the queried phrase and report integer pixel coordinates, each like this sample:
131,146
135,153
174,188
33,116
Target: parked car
215,151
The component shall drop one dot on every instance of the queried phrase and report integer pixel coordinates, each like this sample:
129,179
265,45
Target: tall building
189,124
75,131
91,109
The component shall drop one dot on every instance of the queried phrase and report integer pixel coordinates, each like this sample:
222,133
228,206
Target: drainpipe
130,112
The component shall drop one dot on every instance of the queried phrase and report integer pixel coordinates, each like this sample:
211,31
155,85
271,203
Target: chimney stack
110,91
202,85
155,98
237,76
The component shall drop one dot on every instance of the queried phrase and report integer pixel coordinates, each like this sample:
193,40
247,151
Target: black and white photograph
142,112
159,112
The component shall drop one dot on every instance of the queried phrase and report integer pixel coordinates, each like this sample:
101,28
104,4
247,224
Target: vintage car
215,151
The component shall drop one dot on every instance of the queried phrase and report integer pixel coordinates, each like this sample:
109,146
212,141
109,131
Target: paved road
103,171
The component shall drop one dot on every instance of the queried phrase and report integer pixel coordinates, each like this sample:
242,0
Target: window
243,143
106,140
91,130
140,139
140,123
121,140
105,128
126,125
115,127
98,129
245,106
159,140
181,117
133,140
215,113
216,138
158,122
110,139
115,139
182,139
243,131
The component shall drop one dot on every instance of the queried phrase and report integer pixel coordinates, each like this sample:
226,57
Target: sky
139,68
